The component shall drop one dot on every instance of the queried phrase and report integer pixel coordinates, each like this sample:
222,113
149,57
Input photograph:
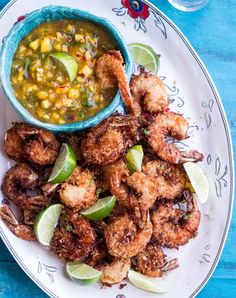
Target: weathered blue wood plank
15,283
223,288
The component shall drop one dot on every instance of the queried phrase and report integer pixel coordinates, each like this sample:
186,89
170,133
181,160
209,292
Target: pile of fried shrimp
154,208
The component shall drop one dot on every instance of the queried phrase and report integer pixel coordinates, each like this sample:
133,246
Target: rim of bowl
6,84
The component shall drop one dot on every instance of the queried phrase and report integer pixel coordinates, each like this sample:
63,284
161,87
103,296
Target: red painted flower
136,8
21,18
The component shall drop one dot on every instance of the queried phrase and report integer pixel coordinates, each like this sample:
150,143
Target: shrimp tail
191,155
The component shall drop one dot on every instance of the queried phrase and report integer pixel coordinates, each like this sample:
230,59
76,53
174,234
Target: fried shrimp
110,72
175,227
21,230
24,142
74,239
152,261
124,239
174,125
108,141
137,192
169,179
74,139
79,191
115,272
14,145
17,181
149,91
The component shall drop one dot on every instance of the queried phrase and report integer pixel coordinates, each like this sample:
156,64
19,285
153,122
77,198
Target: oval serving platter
182,72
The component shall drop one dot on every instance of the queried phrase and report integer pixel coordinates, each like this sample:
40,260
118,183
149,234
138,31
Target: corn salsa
53,75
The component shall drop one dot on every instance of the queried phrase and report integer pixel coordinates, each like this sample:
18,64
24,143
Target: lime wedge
64,165
198,181
46,222
146,283
69,63
82,273
134,158
145,56
100,209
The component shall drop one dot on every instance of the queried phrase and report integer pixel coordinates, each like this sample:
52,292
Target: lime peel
64,165
46,222
150,284
82,273
69,63
100,209
134,158
145,55
198,180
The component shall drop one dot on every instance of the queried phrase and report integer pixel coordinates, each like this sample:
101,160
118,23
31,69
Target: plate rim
230,152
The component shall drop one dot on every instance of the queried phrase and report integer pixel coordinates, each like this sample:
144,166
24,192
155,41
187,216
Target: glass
188,5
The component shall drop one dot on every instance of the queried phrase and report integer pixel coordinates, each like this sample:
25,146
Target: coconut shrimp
152,261
79,191
174,125
17,181
108,141
21,230
137,192
124,239
174,227
110,72
115,272
74,139
150,90
33,144
169,179
74,239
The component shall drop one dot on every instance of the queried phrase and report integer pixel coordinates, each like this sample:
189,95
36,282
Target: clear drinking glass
188,5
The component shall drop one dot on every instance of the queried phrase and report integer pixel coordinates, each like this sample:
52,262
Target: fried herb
145,131
68,228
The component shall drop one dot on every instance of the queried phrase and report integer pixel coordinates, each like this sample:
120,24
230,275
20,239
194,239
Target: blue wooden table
212,32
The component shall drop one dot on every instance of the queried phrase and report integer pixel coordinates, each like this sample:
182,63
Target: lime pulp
134,158
146,283
198,180
64,165
101,209
82,273
145,55
69,63
46,222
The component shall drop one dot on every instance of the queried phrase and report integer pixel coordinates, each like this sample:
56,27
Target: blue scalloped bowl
21,29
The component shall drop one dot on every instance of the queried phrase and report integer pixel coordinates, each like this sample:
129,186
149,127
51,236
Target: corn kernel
57,46
91,88
40,113
55,116
70,28
46,117
34,45
79,38
59,36
64,48
45,104
73,93
45,45
42,95
61,121
80,79
86,71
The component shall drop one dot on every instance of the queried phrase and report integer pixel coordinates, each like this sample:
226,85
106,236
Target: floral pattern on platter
140,12
205,257
46,269
220,173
